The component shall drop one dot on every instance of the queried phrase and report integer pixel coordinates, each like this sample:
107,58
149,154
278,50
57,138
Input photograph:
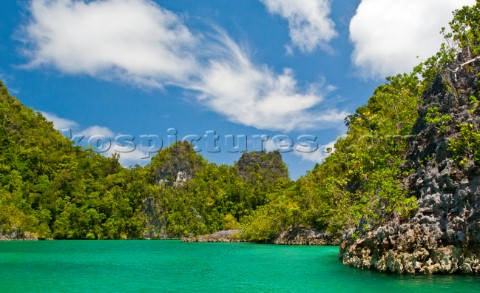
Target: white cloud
136,157
59,123
308,21
316,156
309,152
138,41
280,143
270,146
130,158
66,124
129,155
106,142
96,131
134,39
255,96
388,35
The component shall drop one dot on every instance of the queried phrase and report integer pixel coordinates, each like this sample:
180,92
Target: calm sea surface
173,266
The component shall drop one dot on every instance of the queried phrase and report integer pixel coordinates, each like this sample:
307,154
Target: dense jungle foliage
52,189
55,190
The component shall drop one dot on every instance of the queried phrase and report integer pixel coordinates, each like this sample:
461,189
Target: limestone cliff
444,234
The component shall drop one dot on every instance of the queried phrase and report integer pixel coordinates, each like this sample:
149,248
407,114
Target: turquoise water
172,266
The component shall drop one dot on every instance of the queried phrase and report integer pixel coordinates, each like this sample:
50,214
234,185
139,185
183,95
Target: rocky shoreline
18,237
409,249
292,236
220,236
303,236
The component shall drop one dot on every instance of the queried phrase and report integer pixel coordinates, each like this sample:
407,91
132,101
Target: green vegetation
52,189
361,178
434,117
466,146
465,37
214,197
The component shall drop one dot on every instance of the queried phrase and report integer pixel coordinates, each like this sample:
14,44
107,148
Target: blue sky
120,70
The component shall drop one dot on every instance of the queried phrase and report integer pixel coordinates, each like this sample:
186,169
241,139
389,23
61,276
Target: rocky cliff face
176,164
267,166
15,236
444,234
219,236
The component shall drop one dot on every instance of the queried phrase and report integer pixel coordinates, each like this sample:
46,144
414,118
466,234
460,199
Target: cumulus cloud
96,131
59,123
388,35
134,39
308,21
104,140
139,41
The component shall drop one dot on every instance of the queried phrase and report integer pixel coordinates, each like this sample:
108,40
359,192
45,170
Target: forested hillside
375,176
52,189
203,198
361,178
49,188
